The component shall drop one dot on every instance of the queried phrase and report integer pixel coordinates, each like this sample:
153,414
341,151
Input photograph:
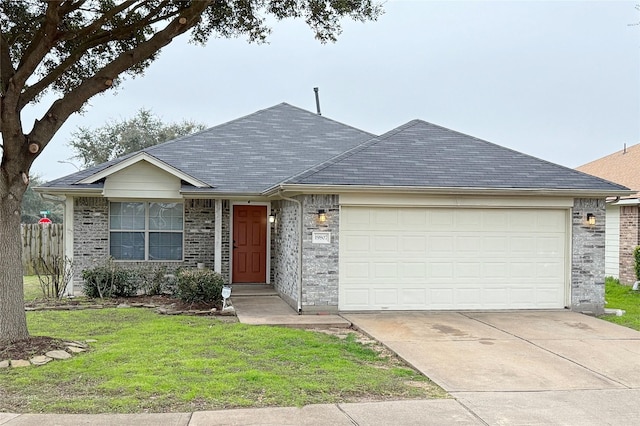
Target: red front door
249,244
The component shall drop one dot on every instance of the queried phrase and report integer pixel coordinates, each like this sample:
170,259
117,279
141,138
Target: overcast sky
559,80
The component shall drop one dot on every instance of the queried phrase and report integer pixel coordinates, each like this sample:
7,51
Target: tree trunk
13,320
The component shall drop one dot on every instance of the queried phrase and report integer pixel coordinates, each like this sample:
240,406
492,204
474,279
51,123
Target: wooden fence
40,242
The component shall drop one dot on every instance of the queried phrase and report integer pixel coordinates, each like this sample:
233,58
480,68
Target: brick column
587,272
629,239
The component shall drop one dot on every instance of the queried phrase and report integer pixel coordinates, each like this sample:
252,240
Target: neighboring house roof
620,167
423,154
285,145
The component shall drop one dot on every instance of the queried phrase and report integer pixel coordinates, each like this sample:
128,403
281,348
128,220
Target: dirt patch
28,348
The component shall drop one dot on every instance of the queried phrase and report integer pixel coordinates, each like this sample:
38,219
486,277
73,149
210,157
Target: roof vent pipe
315,89
625,147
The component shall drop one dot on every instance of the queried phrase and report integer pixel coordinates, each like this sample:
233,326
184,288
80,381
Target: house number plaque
321,237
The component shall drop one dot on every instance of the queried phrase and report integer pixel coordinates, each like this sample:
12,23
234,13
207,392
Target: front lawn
619,296
145,362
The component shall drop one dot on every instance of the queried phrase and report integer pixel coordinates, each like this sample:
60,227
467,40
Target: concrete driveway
524,367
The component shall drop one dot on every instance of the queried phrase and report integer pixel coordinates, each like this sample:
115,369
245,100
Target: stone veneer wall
284,250
91,235
320,261
629,239
587,274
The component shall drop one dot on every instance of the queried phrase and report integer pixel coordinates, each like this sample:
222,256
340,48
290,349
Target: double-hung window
145,230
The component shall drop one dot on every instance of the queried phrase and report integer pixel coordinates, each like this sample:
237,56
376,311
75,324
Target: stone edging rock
73,348
161,309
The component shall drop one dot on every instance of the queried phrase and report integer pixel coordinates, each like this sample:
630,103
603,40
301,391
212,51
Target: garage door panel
384,270
496,246
411,243
413,297
549,246
446,258
356,271
468,244
439,218
411,271
442,297
468,270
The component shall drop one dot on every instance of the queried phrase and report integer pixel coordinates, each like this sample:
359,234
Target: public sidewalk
408,412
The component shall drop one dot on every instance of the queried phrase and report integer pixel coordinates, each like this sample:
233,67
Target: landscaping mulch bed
157,301
28,348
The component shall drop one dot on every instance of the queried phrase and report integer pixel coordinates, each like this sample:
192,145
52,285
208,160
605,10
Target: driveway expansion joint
351,419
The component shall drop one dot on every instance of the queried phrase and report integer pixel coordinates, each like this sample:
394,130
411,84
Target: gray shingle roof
287,145
252,153
423,154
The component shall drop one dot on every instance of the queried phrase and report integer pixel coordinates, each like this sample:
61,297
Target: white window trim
147,231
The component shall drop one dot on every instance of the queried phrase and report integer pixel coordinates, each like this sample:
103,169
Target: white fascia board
625,202
337,189
212,195
143,156
74,192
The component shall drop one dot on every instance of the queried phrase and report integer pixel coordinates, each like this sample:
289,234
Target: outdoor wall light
591,218
322,216
272,217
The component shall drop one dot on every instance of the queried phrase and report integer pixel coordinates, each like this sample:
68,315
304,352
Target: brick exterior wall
587,274
199,228
226,246
91,236
320,261
284,250
629,239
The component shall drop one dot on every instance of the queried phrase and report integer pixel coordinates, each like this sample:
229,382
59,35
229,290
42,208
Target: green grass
32,288
620,296
147,362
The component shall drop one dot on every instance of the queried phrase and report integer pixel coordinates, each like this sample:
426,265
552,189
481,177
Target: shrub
152,280
54,275
199,285
109,280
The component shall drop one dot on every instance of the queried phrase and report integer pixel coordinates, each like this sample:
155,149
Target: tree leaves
118,138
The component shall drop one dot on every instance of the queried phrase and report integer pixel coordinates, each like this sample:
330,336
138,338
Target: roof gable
135,159
426,155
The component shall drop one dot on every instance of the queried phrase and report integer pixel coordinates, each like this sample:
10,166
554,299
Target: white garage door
451,258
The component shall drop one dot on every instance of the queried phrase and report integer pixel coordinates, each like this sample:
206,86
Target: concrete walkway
430,412
261,305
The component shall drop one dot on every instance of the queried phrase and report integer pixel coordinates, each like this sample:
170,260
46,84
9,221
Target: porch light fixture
591,218
322,216
272,217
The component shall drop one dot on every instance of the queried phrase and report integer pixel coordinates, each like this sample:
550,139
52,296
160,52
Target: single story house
623,212
339,219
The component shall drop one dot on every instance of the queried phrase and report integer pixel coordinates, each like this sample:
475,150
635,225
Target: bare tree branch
44,129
